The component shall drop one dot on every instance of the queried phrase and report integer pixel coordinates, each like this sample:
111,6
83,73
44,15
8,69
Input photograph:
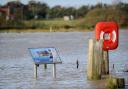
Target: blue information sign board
45,55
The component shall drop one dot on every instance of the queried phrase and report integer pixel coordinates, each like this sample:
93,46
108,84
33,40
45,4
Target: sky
68,3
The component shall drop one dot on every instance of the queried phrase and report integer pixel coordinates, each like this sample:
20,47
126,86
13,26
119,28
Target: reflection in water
16,65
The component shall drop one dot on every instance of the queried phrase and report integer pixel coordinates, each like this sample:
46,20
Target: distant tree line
117,12
89,13
42,11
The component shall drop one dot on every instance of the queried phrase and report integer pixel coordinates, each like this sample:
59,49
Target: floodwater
16,65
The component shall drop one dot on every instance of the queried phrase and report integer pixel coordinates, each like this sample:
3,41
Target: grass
111,83
55,25
42,30
58,22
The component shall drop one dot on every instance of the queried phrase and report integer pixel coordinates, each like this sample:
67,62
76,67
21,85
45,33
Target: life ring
108,32
108,37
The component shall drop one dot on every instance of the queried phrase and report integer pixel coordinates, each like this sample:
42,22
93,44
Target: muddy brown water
16,65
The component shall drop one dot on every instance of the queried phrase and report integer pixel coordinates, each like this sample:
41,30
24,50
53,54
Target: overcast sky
75,3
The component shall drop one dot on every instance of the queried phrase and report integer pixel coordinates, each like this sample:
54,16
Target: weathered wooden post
35,71
98,57
90,65
106,62
95,57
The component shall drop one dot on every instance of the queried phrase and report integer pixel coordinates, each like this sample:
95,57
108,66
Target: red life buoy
108,31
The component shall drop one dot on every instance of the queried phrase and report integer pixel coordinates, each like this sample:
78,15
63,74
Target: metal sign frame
42,53
43,56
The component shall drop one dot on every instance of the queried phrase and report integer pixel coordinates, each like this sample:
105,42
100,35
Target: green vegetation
37,15
47,26
104,14
111,83
55,24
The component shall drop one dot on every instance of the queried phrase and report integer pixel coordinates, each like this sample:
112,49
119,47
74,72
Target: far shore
47,30
43,30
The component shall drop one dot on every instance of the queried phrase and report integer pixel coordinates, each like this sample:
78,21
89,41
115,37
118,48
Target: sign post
45,56
54,70
35,71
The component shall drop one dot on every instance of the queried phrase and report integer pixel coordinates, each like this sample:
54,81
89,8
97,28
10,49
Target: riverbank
46,30
43,30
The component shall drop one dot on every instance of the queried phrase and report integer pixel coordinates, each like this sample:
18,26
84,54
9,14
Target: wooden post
95,57
98,57
90,65
106,62
35,71
54,70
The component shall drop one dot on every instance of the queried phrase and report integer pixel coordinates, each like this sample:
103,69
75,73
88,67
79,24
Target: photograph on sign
44,55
